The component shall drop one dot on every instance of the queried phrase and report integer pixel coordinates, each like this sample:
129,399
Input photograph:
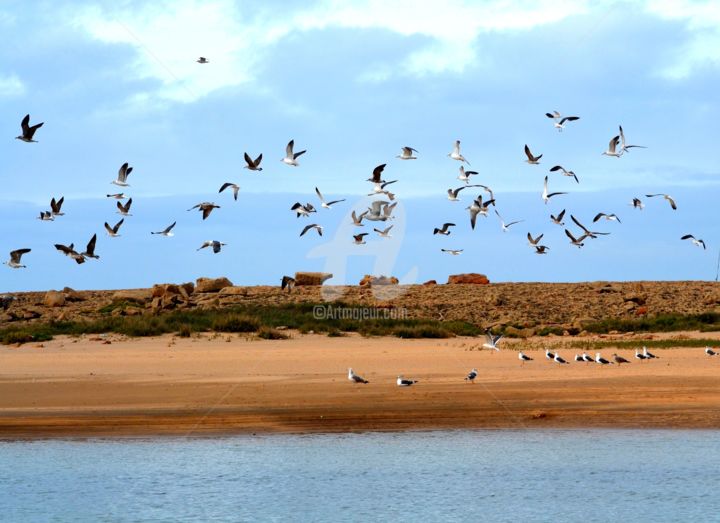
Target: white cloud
168,36
702,20
11,85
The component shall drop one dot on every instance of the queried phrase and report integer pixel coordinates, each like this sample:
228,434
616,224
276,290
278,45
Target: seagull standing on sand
216,245
456,155
506,226
471,376
404,383
624,148
123,173
564,172
445,230
315,226
639,355
587,358
28,131
15,257
252,165
407,154
523,357
602,361
355,378
550,356
696,242
559,359
532,160
649,355
290,157
90,249
113,231
665,196
205,207
492,341
167,231
619,359
235,189
710,352
545,195
323,203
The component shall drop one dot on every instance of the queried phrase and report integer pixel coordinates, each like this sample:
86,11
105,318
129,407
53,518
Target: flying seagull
288,282
355,378
124,209
28,131
377,174
478,208
359,239
216,245
90,249
464,175
303,210
588,233
564,172
15,256
407,154
637,204
540,249
71,252
445,230
558,220
385,233
46,216
471,376
323,203
235,189
113,231
667,197
506,226
405,383
455,154
612,146
532,160
694,240
379,188
290,156
315,226
118,196
578,242
205,207
625,148
167,231
357,220
454,252
545,195
560,125
534,242
380,211
491,341
55,206
453,193
253,165
202,60
123,173
608,217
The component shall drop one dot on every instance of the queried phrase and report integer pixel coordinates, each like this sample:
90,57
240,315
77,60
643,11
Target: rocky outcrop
430,282
212,284
311,278
378,280
139,296
472,278
54,299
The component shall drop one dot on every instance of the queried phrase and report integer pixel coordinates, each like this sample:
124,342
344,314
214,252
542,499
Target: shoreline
230,385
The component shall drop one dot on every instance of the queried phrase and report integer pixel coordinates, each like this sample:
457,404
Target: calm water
433,476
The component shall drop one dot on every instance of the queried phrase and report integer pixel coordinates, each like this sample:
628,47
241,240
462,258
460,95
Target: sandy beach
231,384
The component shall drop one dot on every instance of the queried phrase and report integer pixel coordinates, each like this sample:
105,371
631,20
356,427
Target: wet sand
231,384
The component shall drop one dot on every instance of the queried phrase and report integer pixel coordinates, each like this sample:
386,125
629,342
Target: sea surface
487,475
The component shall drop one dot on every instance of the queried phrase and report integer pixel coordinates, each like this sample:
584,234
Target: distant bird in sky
90,248
506,226
359,239
464,175
379,188
167,231
46,216
588,232
560,121
612,147
28,131
124,209
56,206
637,204
117,196
545,195
478,208
253,165
323,203
357,220
123,173
532,159
290,156
558,220
315,226
534,242
492,341
665,196
456,155
303,210
624,148
453,193
407,154
377,174
401,382
385,233
541,249
113,231
380,211
216,245
202,60
565,172
698,243
453,252
15,257
205,207
355,378
609,217
235,189
577,242
288,282
70,252
444,230
471,376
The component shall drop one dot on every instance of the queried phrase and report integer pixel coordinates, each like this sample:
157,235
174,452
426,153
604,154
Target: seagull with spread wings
323,203
235,189
28,131
290,156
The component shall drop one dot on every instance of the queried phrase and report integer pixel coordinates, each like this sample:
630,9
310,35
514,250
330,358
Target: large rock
233,291
73,295
160,290
378,280
212,284
54,299
141,296
311,278
471,278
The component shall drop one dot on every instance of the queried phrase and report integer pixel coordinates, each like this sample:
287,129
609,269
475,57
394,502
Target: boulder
430,282
212,284
514,332
54,299
311,278
233,291
160,290
469,278
73,295
141,296
378,280
638,299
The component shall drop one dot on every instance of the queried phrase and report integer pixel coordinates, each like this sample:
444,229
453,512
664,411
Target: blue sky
352,82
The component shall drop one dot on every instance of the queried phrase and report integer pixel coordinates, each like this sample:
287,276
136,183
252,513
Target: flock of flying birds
379,211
